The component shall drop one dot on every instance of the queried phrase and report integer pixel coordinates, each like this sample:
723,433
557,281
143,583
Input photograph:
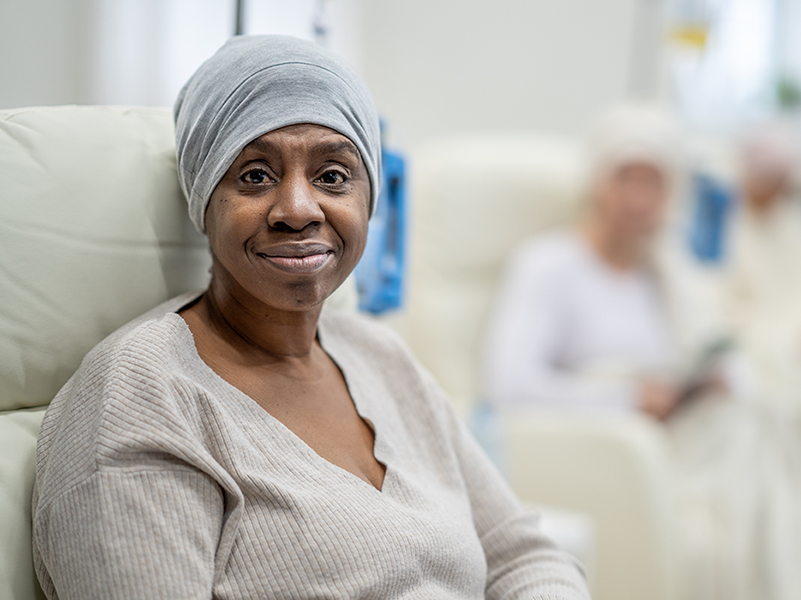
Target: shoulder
151,319
132,365
362,335
140,353
379,364
562,247
374,353
144,341
546,261
124,398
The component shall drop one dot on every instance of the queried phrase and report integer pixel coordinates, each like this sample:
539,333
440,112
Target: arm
127,503
521,562
149,533
530,324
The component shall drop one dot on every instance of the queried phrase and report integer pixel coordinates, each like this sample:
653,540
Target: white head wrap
257,84
636,133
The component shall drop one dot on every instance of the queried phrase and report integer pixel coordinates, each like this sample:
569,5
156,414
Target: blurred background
434,67
488,107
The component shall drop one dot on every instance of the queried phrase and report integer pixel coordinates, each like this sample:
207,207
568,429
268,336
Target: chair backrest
473,199
93,232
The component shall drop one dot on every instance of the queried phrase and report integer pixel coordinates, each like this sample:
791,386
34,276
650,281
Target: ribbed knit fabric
158,479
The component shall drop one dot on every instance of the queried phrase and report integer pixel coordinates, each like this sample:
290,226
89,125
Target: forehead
304,136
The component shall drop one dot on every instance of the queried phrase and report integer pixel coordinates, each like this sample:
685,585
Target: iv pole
239,18
320,26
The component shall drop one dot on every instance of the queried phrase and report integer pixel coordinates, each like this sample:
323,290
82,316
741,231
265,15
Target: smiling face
287,223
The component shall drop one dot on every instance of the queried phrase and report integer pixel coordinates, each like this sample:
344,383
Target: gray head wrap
254,85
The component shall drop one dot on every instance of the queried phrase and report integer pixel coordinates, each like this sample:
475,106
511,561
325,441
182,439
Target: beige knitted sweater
158,479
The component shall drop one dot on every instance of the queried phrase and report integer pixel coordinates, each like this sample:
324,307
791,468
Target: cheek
217,225
655,200
661,203
607,193
354,219
226,225
612,203
354,232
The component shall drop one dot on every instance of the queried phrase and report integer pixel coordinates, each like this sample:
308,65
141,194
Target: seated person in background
594,320
763,266
581,320
245,442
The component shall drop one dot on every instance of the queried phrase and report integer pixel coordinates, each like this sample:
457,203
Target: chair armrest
18,431
615,469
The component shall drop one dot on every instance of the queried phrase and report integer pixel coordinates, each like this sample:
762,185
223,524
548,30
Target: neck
619,252
256,329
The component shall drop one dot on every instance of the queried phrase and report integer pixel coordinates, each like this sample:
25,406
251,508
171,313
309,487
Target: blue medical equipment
485,424
713,203
380,273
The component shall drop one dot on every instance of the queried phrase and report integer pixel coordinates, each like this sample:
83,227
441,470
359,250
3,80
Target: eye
255,176
332,178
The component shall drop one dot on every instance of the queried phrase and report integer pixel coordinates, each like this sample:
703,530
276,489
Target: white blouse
571,331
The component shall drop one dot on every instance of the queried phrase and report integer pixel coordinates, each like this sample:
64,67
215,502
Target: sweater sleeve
521,562
529,325
127,505
150,533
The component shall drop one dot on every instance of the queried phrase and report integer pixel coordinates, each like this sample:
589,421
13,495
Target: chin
303,296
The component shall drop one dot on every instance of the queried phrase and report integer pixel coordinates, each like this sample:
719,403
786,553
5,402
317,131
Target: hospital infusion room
381,299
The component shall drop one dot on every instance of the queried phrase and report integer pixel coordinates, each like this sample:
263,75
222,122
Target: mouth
297,258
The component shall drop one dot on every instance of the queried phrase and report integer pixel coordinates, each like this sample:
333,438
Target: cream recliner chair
93,232
474,198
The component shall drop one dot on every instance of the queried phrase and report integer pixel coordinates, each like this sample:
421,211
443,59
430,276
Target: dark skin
286,225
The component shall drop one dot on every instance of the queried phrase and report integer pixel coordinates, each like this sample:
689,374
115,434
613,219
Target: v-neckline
359,402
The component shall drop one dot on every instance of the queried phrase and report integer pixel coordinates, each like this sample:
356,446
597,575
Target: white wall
342,18
140,51
435,66
448,66
41,51
144,50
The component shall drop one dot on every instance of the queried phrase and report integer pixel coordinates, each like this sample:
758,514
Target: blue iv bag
713,203
381,272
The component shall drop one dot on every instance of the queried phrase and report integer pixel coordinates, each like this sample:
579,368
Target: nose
296,206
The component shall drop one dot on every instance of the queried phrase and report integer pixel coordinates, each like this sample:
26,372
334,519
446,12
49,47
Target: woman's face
288,221
631,199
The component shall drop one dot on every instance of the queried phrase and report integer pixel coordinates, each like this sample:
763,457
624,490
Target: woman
761,274
246,442
580,321
595,320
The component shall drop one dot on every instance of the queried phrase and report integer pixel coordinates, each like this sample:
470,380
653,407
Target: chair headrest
93,232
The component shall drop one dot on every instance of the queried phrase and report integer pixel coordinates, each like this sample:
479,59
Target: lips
298,258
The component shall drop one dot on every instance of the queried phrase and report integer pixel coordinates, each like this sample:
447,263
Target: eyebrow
268,147
337,147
